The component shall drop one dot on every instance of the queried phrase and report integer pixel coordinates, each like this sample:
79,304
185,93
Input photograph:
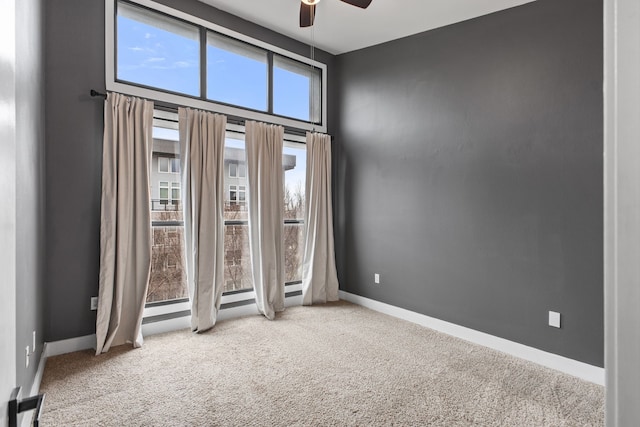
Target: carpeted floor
337,364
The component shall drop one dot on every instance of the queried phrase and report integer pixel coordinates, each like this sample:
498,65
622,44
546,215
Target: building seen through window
168,280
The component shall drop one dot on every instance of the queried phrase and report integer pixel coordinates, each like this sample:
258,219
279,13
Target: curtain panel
202,136
319,276
265,176
125,223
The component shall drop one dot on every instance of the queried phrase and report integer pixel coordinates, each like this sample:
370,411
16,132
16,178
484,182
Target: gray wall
74,124
30,197
74,47
468,173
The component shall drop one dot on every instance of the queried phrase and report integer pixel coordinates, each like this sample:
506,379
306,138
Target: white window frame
161,187
169,165
129,89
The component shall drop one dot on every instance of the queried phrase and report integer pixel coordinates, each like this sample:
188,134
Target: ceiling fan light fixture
311,2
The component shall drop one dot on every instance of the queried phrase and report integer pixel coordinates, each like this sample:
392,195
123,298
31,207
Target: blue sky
154,57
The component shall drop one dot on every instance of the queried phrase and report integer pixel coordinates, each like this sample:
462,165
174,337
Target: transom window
163,54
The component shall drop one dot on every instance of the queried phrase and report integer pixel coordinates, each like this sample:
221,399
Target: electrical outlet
26,362
33,348
554,319
94,303
376,279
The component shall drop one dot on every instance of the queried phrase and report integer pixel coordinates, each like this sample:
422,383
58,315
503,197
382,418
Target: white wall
8,210
622,211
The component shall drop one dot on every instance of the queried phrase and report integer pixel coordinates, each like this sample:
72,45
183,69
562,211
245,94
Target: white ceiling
340,27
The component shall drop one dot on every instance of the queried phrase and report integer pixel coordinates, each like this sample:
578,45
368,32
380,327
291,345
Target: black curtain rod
95,93
230,119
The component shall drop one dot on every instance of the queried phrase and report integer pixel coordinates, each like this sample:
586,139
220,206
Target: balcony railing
168,278
166,205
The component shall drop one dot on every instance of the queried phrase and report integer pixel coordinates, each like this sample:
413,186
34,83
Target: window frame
112,84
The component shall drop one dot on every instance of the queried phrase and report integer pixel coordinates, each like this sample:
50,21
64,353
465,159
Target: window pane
175,165
237,267
242,170
168,280
236,72
237,264
294,162
296,89
163,164
234,155
158,51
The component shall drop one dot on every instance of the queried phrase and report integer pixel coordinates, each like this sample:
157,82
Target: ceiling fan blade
363,4
307,14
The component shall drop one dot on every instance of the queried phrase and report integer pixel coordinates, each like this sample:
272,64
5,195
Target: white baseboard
35,387
578,369
70,345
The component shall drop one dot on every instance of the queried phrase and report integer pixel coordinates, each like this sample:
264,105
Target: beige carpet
337,364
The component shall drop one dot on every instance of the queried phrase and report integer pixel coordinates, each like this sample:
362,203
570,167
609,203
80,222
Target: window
294,164
237,194
168,165
160,53
175,193
156,50
237,262
237,170
296,89
168,280
237,73
164,192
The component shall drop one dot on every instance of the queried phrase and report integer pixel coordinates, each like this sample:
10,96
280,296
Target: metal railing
165,205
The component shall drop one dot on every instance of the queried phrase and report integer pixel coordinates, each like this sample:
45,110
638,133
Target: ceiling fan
308,9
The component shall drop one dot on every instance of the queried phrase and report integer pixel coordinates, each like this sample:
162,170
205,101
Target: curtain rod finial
95,93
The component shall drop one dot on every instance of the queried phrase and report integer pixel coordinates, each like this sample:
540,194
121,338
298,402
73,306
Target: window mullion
203,63
270,82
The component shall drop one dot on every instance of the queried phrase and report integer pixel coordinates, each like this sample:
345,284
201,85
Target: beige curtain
319,277
125,228
265,177
202,136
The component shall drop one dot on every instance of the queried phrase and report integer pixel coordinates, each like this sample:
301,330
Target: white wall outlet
554,319
376,278
33,348
26,361
94,303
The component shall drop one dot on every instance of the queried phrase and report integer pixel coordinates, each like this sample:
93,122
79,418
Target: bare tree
168,277
293,233
237,271
168,280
